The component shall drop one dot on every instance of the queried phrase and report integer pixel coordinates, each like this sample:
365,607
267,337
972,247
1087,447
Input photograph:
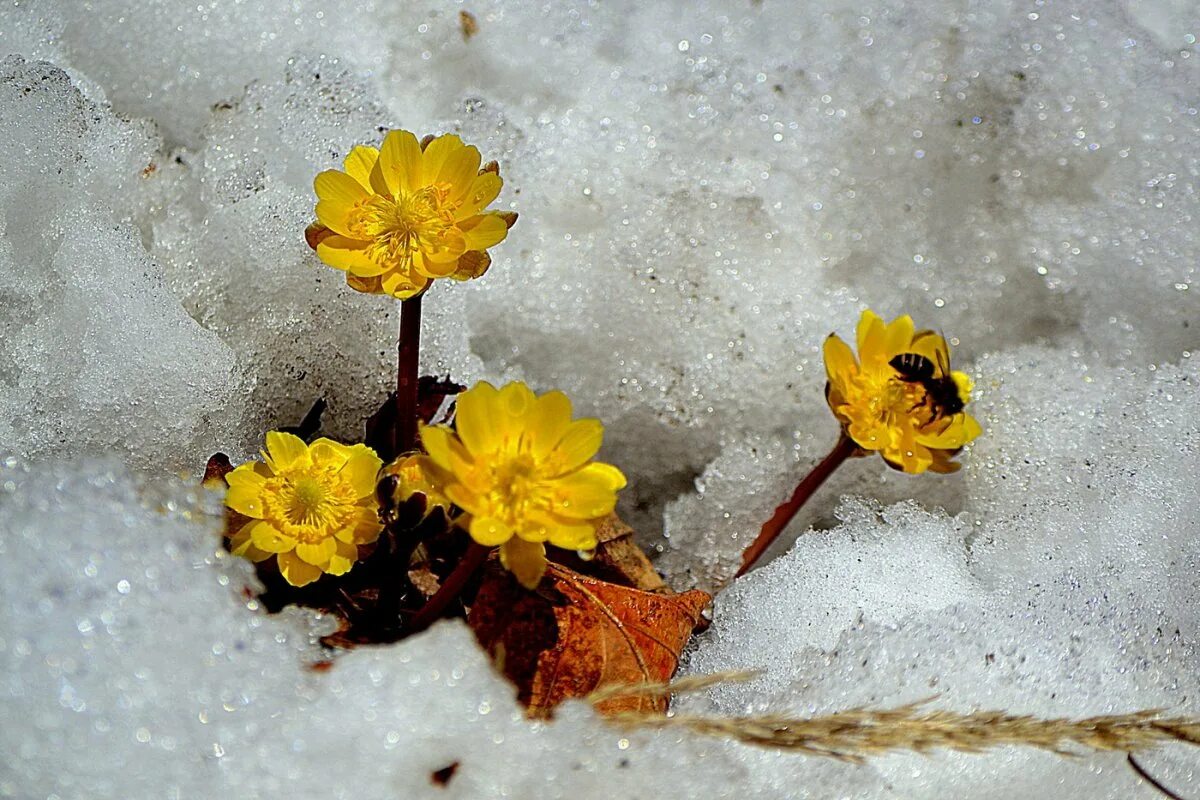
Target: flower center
307,501
398,227
515,487
883,398
309,505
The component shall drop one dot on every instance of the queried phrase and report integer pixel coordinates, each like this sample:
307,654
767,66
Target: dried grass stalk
859,733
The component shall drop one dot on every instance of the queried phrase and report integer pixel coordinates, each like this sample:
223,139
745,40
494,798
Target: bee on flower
899,397
308,505
395,218
522,471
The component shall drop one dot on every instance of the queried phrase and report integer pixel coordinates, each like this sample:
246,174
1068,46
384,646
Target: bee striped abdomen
912,366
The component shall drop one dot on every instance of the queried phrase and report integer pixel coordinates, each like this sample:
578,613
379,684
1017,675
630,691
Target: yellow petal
577,446
942,463
400,163
950,436
483,231
515,400
285,450
525,560
590,492
267,537
840,363
972,428
458,171
869,434
870,332
246,499
464,498
436,441
471,264
361,470
295,571
371,285
898,337
436,155
341,561
917,459
548,423
240,544
364,531
452,456
337,195
489,531
568,534
246,475
328,453
317,554
359,163
348,255
425,264
483,190
476,420
403,285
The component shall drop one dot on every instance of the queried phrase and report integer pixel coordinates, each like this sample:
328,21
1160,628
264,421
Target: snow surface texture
706,191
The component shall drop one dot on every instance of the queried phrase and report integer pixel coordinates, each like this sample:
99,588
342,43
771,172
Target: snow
706,191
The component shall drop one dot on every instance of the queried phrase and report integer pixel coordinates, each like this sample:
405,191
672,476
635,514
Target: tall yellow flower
522,472
309,505
409,212
899,397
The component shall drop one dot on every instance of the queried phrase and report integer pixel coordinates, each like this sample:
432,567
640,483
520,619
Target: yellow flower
909,410
522,472
410,479
309,505
404,214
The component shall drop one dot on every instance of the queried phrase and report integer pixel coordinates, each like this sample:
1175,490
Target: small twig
1140,770
408,362
844,448
451,588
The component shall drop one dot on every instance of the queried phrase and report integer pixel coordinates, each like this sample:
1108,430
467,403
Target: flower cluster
516,470
522,472
398,217
899,397
310,506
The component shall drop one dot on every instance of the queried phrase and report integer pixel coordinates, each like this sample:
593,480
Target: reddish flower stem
844,448
451,588
408,350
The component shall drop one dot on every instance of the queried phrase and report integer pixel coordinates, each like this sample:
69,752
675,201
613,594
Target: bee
941,391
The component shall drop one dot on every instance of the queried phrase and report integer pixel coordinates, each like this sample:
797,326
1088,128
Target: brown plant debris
576,634
441,777
859,733
467,24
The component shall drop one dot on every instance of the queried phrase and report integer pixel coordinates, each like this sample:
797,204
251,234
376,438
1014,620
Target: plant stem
408,350
451,588
844,448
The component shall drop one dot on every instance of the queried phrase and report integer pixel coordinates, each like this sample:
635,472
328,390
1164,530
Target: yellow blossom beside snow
408,213
882,411
522,472
310,506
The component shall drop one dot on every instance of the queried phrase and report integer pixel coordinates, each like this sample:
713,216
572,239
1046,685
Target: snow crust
706,190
